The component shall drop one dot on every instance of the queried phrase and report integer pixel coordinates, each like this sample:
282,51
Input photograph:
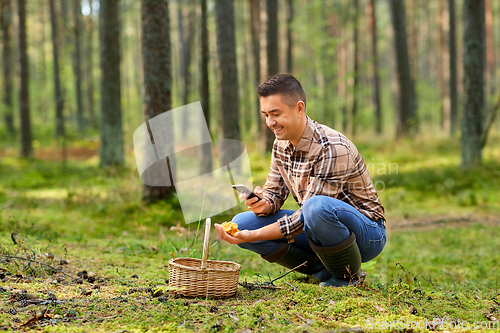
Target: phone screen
243,189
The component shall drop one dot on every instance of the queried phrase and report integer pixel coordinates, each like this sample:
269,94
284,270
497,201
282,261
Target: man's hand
269,232
243,236
255,205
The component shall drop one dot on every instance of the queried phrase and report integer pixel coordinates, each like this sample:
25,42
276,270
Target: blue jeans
328,221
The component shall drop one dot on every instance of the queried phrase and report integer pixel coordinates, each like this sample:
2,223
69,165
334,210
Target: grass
91,219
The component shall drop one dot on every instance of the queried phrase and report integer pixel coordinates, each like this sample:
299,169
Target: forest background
414,84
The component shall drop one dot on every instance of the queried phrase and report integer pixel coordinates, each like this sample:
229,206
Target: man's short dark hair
285,85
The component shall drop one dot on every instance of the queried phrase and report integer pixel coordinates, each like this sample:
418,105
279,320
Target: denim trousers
327,221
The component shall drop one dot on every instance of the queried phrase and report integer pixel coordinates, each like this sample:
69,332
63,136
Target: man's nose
270,121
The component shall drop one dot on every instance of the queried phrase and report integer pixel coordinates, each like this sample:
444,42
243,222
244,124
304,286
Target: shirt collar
305,140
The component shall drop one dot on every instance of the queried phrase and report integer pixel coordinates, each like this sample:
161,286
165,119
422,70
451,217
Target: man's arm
269,232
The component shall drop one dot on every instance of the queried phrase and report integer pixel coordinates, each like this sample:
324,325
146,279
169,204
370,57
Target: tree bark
355,81
24,106
77,13
289,21
376,80
157,74
90,71
272,60
473,62
490,48
59,132
407,124
228,76
111,149
255,33
452,50
6,22
206,151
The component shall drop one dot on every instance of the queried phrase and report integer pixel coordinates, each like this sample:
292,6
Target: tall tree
473,62
452,50
406,109
24,105
111,149
6,20
490,46
228,76
77,13
289,22
157,74
443,65
355,81
206,160
255,35
272,60
376,80
57,83
90,70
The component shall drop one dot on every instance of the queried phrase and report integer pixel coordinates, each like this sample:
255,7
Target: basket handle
206,243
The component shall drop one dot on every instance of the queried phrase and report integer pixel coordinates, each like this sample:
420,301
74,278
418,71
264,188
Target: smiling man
340,223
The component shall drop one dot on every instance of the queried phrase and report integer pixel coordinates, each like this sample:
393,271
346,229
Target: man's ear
301,106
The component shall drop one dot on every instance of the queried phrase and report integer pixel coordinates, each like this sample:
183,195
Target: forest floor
79,252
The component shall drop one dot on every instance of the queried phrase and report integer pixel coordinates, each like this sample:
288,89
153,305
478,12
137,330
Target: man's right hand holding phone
254,204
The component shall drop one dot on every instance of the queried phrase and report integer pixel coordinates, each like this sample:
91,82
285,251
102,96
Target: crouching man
340,223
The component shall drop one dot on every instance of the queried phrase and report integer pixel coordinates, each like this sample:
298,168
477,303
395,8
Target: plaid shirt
325,163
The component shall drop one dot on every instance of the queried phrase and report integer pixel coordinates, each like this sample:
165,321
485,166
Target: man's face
286,122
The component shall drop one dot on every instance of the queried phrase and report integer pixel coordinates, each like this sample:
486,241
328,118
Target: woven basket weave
203,277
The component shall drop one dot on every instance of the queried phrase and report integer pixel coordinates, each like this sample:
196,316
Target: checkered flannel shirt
325,163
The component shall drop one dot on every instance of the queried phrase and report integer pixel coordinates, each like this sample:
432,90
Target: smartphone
243,189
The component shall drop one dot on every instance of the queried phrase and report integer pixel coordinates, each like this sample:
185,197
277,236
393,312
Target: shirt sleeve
328,178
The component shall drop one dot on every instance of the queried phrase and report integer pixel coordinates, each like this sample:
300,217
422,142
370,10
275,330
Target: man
340,222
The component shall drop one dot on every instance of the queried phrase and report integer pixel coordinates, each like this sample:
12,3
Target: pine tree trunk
452,50
355,82
90,71
111,149
206,151
157,74
472,120
376,80
6,20
24,106
77,12
444,60
228,76
255,33
57,83
490,48
289,21
406,108
272,59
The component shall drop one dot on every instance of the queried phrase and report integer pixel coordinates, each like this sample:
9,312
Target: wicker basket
203,277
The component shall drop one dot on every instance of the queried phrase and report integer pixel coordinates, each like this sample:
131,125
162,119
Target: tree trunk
444,60
472,120
24,106
206,160
376,79
490,48
57,83
157,74
90,71
272,60
6,19
355,81
255,33
407,124
289,22
228,76
77,13
111,149
452,50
